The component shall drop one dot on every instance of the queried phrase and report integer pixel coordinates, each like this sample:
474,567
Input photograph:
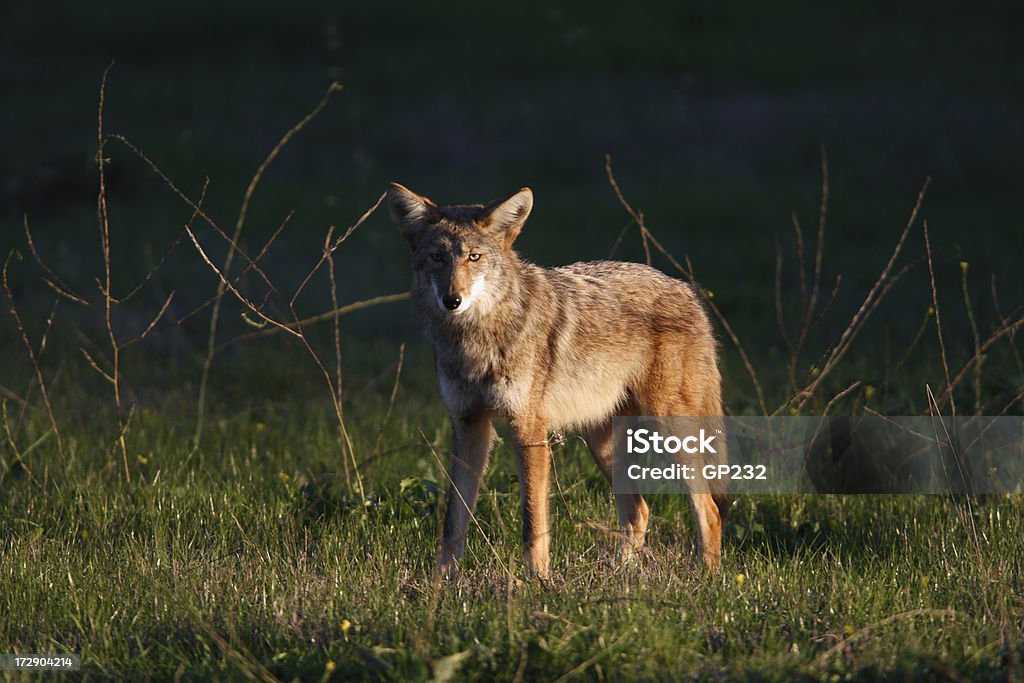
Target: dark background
715,117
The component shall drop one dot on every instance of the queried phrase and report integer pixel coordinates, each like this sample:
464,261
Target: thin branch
160,314
974,335
871,302
810,305
336,401
19,457
55,283
251,189
1002,321
801,266
638,217
391,400
840,396
238,295
211,342
346,442
105,288
689,274
866,306
917,338
252,264
938,317
323,317
8,394
327,252
32,355
779,317
163,258
820,246
95,366
1002,331
734,338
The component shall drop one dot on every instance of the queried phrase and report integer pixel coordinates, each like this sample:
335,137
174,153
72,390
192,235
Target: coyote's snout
548,349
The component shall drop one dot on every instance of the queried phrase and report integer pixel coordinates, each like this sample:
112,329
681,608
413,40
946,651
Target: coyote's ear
410,212
505,217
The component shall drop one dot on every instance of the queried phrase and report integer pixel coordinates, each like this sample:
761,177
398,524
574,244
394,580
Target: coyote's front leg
472,439
533,461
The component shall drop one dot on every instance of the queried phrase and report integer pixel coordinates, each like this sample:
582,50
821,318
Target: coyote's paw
630,552
446,570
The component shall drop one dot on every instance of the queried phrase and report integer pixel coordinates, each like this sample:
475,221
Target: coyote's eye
437,257
474,257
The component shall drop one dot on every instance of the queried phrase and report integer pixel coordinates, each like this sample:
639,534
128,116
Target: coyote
548,349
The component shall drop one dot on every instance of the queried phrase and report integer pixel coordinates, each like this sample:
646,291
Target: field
222,478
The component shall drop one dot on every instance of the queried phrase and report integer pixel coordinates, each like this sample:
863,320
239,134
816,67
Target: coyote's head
459,252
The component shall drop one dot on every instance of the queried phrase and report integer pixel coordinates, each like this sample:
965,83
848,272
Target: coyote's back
548,349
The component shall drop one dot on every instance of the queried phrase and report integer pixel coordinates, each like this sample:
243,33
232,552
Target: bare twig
105,288
294,328
810,305
734,338
637,216
975,335
211,342
838,397
820,246
251,189
618,239
332,248
153,270
11,396
251,264
1002,322
953,440
323,317
95,366
391,400
18,456
238,295
1005,329
871,302
938,317
156,318
801,266
917,338
689,274
33,356
346,442
54,280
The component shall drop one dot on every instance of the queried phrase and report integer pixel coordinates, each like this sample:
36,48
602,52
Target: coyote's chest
473,379
517,384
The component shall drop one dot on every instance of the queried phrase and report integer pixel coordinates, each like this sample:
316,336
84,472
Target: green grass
251,557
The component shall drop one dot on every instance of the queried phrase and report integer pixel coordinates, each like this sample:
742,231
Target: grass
250,555
250,558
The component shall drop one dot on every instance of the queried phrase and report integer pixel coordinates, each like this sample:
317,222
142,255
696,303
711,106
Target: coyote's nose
451,301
